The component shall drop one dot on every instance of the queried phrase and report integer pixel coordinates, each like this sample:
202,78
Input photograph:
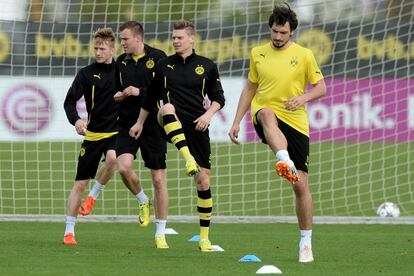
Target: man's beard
280,45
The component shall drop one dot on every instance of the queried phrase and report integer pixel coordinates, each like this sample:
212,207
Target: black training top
139,74
96,82
184,84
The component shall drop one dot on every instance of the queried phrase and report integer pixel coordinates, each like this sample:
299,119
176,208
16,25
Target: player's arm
132,91
119,95
204,120
318,90
123,92
129,91
149,103
314,75
245,100
136,130
73,95
216,95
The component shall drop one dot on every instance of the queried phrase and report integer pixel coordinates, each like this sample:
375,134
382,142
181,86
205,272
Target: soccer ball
388,209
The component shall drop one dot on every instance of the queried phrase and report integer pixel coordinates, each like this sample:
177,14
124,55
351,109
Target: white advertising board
32,109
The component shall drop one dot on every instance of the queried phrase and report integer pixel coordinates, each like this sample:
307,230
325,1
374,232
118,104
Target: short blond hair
105,34
185,25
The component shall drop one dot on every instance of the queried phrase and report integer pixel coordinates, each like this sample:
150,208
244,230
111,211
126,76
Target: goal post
362,131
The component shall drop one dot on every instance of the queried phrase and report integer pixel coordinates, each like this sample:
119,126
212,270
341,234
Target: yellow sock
204,232
176,135
204,208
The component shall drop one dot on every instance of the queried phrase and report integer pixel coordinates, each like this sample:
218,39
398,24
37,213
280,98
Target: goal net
362,132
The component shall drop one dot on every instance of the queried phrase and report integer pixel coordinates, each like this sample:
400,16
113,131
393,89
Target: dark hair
185,25
282,14
105,34
134,26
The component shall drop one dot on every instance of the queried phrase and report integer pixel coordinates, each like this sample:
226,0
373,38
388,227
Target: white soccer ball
388,209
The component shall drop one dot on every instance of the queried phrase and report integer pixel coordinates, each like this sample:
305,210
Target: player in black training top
182,81
96,83
135,73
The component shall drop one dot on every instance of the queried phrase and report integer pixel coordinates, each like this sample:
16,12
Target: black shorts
198,143
298,143
153,148
90,154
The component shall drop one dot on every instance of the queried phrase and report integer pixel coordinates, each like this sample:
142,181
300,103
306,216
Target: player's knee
158,182
159,186
266,114
167,109
124,170
110,163
80,186
203,181
301,189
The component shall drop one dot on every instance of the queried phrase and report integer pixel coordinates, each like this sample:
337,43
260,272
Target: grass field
34,248
345,179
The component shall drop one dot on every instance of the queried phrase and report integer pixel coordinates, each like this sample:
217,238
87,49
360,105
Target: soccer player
135,73
182,81
96,83
275,90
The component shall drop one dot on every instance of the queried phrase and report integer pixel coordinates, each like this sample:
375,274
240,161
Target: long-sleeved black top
184,84
96,82
138,74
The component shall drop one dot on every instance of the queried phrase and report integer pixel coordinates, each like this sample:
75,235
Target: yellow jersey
281,75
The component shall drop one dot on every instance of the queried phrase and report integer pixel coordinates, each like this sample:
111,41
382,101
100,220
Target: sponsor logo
26,109
4,47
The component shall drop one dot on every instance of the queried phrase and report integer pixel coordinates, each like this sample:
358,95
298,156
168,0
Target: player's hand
131,91
233,133
202,122
80,127
136,130
294,103
119,96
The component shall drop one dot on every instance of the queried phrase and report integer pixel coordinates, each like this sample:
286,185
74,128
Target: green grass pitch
346,179
35,248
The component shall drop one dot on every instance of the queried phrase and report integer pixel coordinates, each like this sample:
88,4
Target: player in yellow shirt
275,90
